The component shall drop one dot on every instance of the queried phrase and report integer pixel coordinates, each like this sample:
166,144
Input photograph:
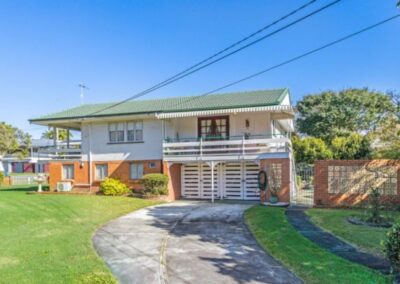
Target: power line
293,59
238,42
193,69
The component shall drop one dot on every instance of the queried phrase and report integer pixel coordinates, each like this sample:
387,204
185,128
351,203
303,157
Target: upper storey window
135,131
120,132
116,132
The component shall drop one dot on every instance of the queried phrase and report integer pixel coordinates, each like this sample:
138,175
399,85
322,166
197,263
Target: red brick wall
284,193
116,169
174,185
323,198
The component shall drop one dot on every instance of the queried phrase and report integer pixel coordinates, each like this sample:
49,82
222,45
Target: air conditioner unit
64,186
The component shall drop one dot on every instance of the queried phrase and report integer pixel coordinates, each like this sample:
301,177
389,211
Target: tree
387,135
331,114
13,140
353,146
62,134
309,149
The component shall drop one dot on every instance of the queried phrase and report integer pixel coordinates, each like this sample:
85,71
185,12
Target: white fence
23,179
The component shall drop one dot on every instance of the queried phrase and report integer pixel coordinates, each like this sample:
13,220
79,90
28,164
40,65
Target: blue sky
119,48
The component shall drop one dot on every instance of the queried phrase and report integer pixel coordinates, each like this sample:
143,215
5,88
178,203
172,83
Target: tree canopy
331,114
309,149
13,140
62,134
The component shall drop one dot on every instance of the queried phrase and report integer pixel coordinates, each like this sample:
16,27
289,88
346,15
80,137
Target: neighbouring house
210,146
35,162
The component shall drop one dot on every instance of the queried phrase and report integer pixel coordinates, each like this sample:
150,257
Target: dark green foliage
352,146
1,178
392,246
331,114
309,149
155,184
111,186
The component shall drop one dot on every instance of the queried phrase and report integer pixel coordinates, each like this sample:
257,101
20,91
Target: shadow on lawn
22,188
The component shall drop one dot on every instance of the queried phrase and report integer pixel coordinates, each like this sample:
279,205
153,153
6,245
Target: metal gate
304,184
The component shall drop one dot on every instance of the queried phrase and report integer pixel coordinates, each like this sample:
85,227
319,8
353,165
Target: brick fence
348,182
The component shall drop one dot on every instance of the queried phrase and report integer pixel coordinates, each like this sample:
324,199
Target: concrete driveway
187,242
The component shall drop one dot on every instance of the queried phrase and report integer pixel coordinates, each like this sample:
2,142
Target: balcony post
212,181
68,138
243,151
201,147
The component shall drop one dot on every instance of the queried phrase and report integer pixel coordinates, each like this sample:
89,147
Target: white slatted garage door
231,180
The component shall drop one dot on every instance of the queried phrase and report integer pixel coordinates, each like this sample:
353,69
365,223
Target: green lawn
310,262
47,238
366,238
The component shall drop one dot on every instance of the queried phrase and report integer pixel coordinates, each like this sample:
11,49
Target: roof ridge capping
265,97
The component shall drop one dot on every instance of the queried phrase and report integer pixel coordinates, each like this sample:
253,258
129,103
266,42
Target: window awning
276,108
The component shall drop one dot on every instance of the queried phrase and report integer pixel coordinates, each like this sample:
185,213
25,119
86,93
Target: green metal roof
177,104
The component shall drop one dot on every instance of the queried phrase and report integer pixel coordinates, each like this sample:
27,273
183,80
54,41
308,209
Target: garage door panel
190,181
232,175
251,191
232,180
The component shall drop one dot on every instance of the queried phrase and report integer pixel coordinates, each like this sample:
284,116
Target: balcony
62,151
234,148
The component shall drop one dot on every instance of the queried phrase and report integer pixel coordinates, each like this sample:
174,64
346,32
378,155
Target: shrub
155,184
309,149
1,178
392,246
111,186
350,147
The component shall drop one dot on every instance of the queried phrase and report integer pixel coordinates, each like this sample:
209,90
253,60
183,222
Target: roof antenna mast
82,87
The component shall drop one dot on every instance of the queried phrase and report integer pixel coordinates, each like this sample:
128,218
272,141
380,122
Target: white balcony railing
232,148
61,152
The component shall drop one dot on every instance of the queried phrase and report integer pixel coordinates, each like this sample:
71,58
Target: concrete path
301,222
187,242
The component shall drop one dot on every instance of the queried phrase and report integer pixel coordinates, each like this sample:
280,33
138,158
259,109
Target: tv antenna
82,87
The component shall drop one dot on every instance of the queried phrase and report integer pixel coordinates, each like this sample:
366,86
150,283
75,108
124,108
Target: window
116,132
68,171
152,165
213,128
101,172
135,131
136,171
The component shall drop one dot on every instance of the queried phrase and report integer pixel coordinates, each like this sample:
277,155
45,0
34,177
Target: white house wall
260,123
102,150
153,134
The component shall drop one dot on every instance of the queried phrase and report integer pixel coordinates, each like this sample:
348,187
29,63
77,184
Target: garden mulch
301,222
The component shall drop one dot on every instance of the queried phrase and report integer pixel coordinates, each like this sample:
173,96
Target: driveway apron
187,242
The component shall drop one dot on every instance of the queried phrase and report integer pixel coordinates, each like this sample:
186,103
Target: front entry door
213,128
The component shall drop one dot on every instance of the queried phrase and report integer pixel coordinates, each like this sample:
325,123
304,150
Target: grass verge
366,238
308,261
47,238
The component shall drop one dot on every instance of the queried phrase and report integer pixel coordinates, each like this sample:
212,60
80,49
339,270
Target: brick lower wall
174,184
339,183
284,193
116,169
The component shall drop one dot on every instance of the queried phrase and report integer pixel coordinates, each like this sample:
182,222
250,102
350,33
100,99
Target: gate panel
206,191
305,184
191,185
251,191
233,181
